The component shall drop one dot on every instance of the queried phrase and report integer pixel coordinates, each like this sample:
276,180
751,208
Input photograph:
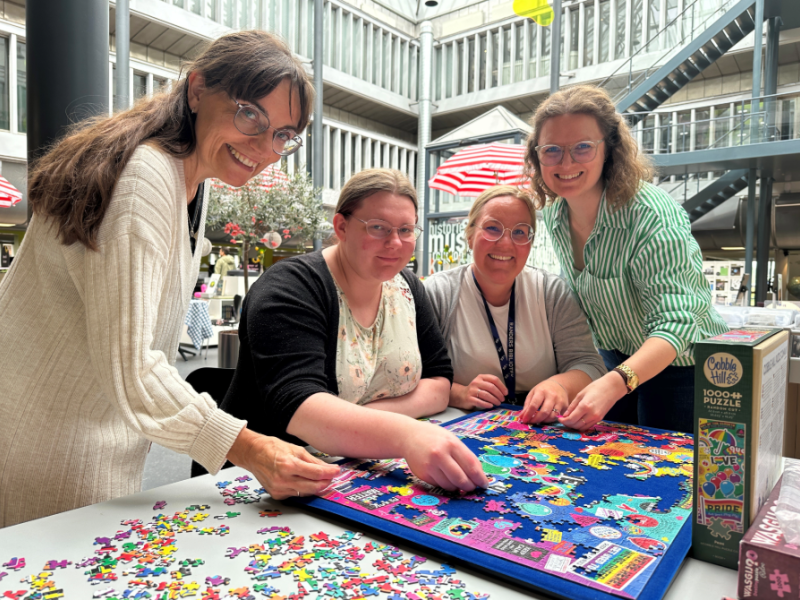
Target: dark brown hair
625,167
74,181
370,181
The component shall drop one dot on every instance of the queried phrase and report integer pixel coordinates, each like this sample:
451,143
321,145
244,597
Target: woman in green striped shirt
626,249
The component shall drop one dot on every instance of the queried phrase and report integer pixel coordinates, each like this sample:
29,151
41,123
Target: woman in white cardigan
91,310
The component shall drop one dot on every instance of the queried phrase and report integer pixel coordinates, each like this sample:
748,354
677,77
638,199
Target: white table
71,535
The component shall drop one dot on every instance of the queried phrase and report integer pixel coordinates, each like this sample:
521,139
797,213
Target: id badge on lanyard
506,362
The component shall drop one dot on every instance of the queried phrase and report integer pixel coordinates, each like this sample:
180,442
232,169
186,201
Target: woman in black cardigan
340,348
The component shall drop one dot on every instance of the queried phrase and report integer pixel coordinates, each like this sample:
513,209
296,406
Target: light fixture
732,248
431,3
7,225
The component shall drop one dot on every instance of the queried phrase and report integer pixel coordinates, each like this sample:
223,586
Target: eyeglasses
551,155
251,121
493,230
380,230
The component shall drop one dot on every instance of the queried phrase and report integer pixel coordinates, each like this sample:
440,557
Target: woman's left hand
593,402
545,403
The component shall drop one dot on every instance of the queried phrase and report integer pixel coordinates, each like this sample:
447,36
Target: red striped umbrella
470,171
9,195
269,177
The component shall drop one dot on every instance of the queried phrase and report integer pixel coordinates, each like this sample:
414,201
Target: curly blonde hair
625,167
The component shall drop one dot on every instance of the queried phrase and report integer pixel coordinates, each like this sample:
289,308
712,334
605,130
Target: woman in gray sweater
514,334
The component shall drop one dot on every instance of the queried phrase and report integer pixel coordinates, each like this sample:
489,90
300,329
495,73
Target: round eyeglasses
493,230
380,230
252,121
551,155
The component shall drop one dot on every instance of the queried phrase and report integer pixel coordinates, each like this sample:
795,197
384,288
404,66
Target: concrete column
424,126
750,231
581,34
13,108
326,146
555,47
526,50
68,67
358,165
512,74
477,65
367,153
763,241
318,162
758,35
122,37
336,149
489,57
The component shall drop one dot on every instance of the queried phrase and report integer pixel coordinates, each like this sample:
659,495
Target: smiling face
225,152
571,180
500,262
370,258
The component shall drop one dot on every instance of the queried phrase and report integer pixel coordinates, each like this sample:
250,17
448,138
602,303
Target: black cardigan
287,335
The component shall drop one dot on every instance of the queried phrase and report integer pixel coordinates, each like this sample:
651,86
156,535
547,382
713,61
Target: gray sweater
569,330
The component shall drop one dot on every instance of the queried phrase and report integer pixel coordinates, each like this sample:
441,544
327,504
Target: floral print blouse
383,360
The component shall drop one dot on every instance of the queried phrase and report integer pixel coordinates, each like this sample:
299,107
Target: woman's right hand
438,457
482,393
283,469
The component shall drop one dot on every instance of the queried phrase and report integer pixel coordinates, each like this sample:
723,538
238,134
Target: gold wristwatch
631,378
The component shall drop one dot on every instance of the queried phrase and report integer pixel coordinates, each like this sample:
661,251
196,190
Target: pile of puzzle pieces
141,560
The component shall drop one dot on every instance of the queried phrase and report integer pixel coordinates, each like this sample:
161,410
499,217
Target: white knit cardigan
87,346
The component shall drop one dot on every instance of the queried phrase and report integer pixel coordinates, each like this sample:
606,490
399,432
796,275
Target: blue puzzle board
586,516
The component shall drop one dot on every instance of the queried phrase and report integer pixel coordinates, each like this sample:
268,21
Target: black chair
215,382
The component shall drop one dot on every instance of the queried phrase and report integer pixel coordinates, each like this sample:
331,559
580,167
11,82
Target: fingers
496,382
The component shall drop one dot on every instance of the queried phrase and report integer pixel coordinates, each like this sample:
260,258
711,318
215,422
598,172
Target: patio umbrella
269,177
472,170
9,195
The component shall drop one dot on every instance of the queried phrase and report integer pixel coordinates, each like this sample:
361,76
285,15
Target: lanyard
506,363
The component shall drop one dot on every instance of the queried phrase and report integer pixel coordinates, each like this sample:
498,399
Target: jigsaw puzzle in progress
600,509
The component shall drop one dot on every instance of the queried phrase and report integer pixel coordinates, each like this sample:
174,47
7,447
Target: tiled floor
165,466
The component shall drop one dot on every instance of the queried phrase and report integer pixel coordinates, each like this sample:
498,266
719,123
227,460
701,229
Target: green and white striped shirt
643,275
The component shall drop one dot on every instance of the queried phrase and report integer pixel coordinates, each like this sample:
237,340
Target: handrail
669,49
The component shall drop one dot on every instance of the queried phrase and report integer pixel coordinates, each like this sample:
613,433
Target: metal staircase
689,44
716,193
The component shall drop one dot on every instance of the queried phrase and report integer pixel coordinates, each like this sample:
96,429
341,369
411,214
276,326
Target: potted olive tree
268,209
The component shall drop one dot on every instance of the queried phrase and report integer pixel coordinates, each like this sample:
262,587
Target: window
4,101
461,89
228,12
702,128
684,131
483,55
787,122
194,6
605,31
531,59
495,39
573,38
139,86
637,17
160,85
665,131
588,45
211,9
471,65
506,33
648,134
673,24
22,89
178,3
722,126
622,17
544,60
242,14
653,22
519,56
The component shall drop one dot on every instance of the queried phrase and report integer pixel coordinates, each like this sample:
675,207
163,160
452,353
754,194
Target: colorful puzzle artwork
600,510
158,557
721,476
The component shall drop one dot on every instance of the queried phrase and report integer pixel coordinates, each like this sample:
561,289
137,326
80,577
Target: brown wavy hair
625,167
74,181
367,182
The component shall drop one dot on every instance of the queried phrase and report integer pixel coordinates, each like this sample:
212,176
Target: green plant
269,208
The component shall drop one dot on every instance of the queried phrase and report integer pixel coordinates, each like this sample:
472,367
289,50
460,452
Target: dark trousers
664,402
